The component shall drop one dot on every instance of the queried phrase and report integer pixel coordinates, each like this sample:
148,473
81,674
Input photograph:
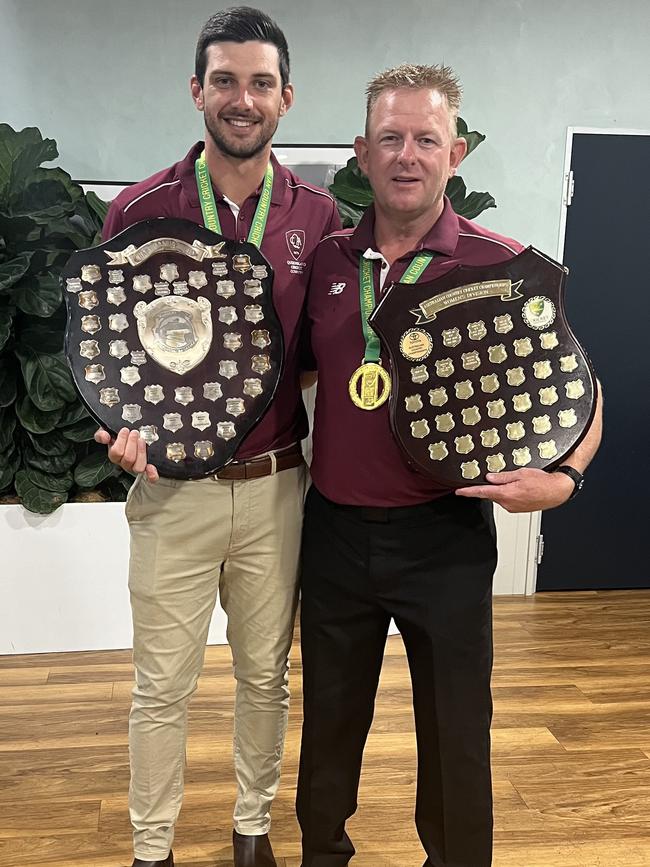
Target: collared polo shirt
300,215
356,460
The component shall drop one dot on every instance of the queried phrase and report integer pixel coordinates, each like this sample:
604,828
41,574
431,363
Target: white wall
108,80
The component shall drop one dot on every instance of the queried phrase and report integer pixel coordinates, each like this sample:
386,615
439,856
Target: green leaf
92,470
456,191
49,194
34,419
19,232
6,476
352,185
50,463
10,458
43,336
473,138
116,489
98,206
8,389
126,480
37,499
47,377
468,206
6,319
349,214
13,270
20,154
81,432
7,427
38,294
51,443
73,413
60,483
475,204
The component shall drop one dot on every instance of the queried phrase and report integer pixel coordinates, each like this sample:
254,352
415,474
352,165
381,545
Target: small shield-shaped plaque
253,387
225,288
109,396
235,406
89,349
131,412
88,300
116,295
95,373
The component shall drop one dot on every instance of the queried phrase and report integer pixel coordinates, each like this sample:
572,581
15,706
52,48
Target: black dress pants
429,567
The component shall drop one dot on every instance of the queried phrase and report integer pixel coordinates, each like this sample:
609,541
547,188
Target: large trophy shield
487,375
172,331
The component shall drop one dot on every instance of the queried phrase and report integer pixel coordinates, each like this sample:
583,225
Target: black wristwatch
577,478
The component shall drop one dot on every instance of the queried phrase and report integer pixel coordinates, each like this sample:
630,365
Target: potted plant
47,452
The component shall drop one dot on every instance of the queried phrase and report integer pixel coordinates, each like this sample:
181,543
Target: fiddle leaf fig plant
47,452
353,192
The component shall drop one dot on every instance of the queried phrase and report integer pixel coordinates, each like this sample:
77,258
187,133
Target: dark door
598,540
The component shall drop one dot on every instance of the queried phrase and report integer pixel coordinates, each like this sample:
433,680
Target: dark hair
241,24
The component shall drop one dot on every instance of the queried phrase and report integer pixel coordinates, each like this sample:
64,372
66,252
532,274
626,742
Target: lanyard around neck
367,298
209,205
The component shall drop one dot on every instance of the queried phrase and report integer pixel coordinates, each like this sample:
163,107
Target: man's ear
361,152
197,92
457,153
287,99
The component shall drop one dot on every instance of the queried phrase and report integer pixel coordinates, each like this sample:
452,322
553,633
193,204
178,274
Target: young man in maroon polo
239,531
380,541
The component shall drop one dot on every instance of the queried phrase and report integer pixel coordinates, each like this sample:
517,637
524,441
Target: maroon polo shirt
356,460
300,215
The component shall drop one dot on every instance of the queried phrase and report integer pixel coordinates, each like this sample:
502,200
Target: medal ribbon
367,299
209,205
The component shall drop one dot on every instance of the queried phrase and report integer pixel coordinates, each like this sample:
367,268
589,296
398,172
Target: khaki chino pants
188,541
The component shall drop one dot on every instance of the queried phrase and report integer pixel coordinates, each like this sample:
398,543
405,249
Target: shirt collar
442,237
187,178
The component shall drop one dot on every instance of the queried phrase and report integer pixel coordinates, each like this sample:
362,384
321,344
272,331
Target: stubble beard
241,150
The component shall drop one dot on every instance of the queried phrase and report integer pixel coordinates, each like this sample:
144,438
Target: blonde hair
440,78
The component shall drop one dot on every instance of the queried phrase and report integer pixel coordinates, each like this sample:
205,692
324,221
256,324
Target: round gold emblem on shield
415,344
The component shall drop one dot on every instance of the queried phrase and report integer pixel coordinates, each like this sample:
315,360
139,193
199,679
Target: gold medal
371,375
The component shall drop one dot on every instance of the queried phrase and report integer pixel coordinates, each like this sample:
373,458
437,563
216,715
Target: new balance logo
337,288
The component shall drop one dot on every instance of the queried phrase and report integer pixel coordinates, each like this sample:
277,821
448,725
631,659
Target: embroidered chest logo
337,288
295,242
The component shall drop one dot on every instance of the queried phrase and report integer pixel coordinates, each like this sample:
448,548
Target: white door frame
567,193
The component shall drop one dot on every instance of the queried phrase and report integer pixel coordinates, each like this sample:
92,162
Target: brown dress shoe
166,862
252,851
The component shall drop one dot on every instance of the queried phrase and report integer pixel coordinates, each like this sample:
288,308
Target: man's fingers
103,437
483,492
151,473
116,451
131,452
140,462
504,478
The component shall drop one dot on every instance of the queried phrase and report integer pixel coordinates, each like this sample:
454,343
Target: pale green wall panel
109,80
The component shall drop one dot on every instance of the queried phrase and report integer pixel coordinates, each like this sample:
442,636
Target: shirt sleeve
335,221
114,222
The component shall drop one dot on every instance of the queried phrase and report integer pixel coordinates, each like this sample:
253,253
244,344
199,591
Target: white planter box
63,577
63,580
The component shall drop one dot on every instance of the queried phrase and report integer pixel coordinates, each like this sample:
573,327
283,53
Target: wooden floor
571,750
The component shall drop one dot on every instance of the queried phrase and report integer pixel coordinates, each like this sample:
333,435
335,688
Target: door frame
567,192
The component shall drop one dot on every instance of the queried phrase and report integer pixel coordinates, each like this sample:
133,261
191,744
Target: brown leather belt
257,468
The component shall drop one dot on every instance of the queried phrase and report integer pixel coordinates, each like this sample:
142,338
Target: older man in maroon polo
237,532
380,541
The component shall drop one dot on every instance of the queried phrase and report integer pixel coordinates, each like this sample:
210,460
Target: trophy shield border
437,306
